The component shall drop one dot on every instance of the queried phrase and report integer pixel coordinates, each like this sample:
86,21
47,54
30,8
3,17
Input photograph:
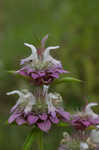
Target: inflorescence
41,108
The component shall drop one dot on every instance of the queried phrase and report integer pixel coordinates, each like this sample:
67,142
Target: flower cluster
84,141
40,67
86,118
41,109
68,143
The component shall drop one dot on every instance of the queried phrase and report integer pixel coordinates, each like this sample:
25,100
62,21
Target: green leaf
29,140
17,74
12,72
62,124
67,80
91,127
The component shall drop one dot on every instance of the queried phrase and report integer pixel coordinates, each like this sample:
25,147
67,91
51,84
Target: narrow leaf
12,71
62,124
67,80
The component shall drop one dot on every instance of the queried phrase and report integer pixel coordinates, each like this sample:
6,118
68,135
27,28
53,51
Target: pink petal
13,117
63,114
44,126
32,119
54,119
20,121
43,116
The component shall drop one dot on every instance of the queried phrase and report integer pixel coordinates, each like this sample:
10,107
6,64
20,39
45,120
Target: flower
83,146
94,136
26,99
38,109
62,148
93,139
69,142
90,112
86,118
40,66
66,139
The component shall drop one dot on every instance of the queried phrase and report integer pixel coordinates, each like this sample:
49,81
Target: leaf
62,124
12,72
29,140
67,80
18,75
91,127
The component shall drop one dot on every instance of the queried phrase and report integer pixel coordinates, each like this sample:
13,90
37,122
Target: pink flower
43,113
85,118
40,66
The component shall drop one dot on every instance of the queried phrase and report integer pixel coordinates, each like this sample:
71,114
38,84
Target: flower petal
13,117
54,119
44,126
32,119
43,116
63,114
20,121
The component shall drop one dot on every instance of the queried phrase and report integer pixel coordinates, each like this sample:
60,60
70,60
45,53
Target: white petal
95,136
97,126
48,57
51,107
54,61
33,56
53,96
26,59
28,108
91,104
45,89
47,50
15,92
89,111
83,146
33,48
31,99
25,97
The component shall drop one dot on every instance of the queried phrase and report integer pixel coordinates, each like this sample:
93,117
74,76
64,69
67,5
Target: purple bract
41,77
43,121
81,123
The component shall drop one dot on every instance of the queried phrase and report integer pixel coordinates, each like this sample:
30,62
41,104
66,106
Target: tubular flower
41,109
86,118
93,139
80,141
83,146
40,66
69,143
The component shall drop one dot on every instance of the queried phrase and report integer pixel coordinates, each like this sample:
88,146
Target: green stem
40,141
29,140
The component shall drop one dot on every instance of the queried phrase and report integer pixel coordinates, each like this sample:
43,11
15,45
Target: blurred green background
72,24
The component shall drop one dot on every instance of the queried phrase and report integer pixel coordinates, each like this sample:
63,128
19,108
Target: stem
40,141
29,140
